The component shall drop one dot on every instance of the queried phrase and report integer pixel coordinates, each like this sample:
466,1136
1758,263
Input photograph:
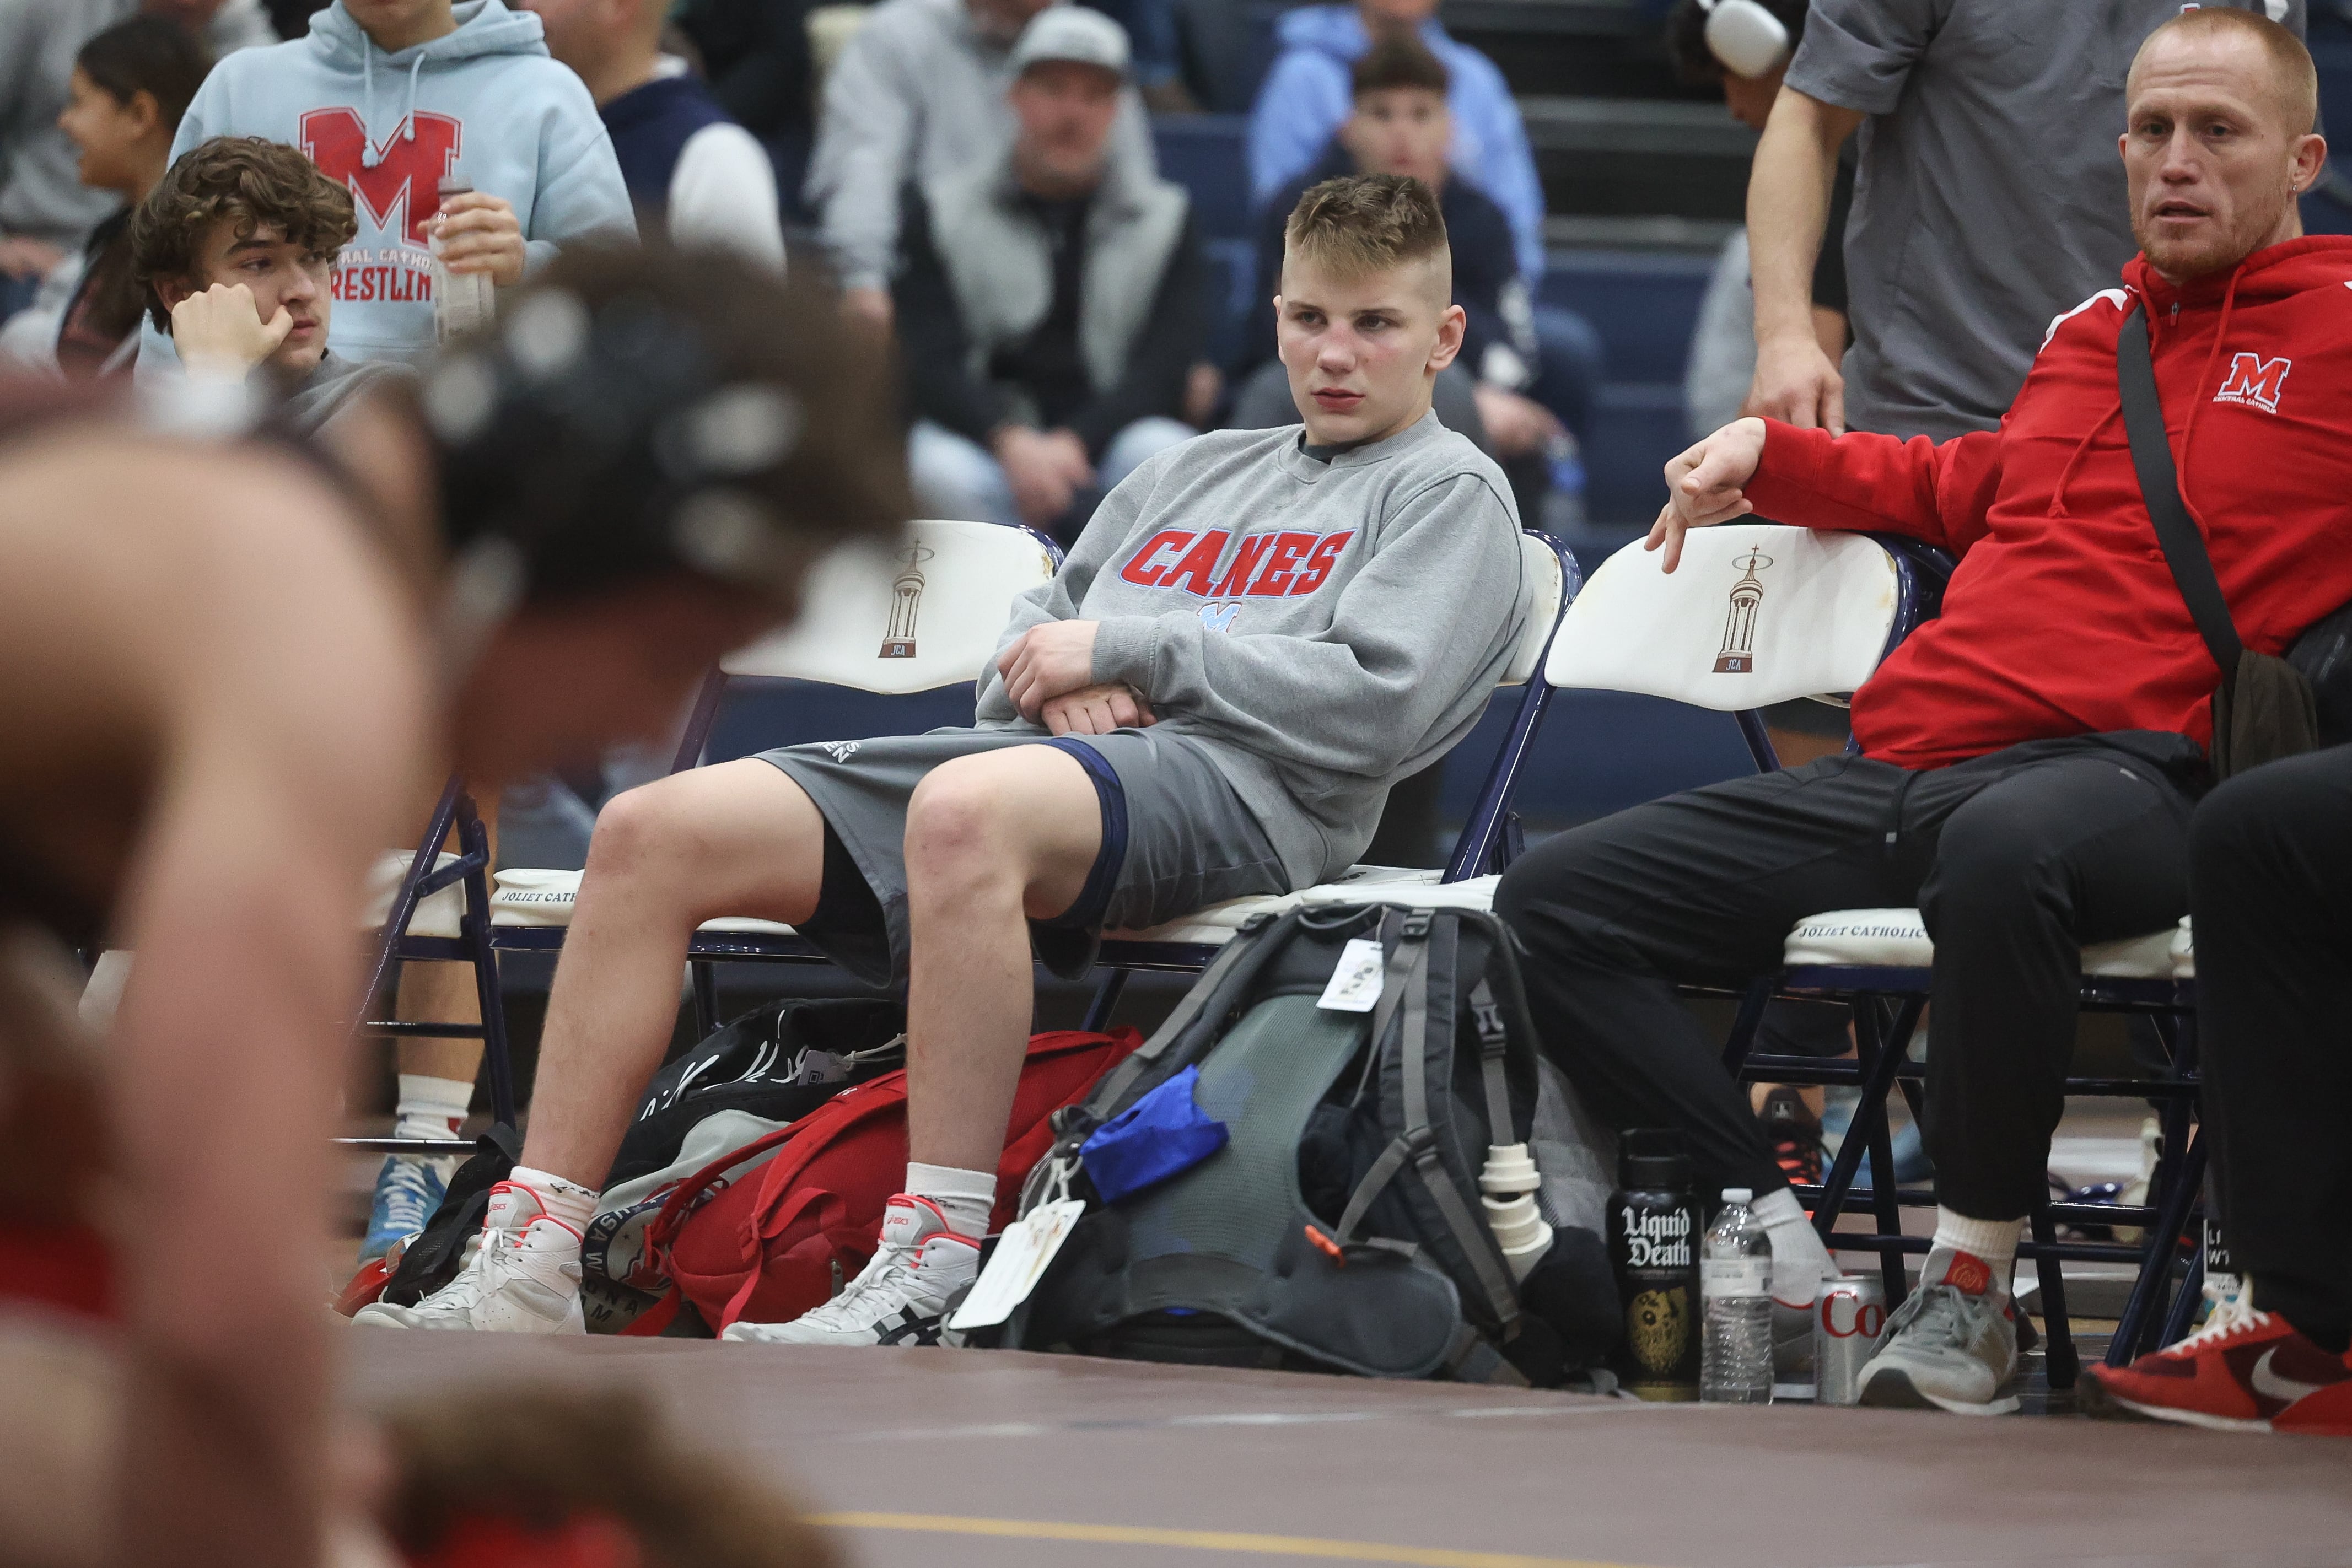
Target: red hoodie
2062,618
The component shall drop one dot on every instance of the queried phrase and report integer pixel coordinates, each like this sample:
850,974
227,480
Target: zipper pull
2176,312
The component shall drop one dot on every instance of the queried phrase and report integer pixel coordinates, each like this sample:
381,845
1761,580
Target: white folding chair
1759,613
920,616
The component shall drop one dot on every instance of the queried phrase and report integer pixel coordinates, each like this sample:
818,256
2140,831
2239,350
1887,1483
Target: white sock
565,1200
1992,1242
432,1107
964,1196
1800,1261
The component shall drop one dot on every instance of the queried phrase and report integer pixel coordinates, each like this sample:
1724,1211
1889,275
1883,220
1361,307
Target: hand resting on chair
1704,485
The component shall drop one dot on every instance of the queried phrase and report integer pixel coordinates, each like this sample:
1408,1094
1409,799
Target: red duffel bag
773,1246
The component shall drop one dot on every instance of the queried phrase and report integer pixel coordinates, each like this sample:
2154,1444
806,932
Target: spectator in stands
696,177
918,95
2270,853
1982,124
1356,586
130,85
235,252
1401,125
1722,365
1050,302
389,97
1308,96
2029,760
218,721
45,210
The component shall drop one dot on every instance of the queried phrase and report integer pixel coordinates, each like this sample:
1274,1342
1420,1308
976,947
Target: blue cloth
649,126
1308,94
1161,1136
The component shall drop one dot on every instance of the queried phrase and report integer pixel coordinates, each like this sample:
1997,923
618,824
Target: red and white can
1849,1314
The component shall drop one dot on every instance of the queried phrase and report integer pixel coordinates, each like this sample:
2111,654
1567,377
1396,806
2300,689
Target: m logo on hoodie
2254,379
397,185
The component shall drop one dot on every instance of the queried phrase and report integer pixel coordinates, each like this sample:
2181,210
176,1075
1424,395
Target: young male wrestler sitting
1257,634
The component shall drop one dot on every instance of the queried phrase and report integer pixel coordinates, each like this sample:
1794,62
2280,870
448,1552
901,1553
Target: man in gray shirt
920,94
1259,634
1989,200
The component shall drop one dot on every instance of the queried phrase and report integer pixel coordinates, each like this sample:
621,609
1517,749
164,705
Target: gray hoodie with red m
1324,628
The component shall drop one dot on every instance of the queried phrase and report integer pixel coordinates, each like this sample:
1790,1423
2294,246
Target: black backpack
780,1061
1339,1227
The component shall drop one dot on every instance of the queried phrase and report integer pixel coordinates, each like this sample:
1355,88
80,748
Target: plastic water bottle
462,301
1734,1287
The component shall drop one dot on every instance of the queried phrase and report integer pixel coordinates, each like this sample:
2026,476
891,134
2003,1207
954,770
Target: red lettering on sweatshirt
1245,560
1289,549
1146,566
1191,574
1317,569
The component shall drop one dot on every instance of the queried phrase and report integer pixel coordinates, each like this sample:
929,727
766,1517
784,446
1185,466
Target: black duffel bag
780,1061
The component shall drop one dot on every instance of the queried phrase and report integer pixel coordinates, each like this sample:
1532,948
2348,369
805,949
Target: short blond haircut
2296,79
1359,224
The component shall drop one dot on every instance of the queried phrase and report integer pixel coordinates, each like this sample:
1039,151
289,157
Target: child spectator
235,251
1307,97
130,84
45,210
390,97
920,94
1048,346
696,177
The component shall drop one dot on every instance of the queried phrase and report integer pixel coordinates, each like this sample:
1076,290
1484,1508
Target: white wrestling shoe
901,1297
524,1277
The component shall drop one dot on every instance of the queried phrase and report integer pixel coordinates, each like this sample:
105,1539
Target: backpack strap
1470,1359
2159,488
1493,1049
1216,984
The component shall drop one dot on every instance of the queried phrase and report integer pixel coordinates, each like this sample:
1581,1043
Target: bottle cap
1654,1158
1737,1194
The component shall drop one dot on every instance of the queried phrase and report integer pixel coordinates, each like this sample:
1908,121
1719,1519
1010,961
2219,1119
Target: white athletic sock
1800,1261
964,1196
565,1200
432,1107
1992,1242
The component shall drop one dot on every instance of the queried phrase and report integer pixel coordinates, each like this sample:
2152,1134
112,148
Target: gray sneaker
1945,1348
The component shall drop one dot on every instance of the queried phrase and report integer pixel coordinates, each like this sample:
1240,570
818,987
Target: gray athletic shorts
1176,838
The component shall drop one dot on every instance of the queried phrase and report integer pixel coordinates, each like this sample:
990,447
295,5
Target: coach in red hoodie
2029,761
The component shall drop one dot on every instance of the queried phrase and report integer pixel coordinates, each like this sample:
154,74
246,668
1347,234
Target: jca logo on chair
1739,654
906,604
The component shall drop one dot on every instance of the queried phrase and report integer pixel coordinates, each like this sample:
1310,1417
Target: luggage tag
1355,985
1021,1256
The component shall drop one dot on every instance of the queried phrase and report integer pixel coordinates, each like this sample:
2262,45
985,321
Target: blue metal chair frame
1887,1005
471,945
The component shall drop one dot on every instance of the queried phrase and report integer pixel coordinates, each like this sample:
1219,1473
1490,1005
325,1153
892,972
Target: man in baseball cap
1047,349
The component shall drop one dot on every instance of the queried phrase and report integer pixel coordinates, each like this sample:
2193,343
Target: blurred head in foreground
623,480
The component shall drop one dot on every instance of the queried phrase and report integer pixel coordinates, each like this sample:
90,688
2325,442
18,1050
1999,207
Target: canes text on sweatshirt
1327,629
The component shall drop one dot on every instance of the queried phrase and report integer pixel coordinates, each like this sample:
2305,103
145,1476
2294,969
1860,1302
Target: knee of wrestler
1536,899
958,825
2234,828
636,833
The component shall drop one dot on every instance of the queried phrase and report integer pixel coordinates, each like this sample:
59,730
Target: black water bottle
1654,1231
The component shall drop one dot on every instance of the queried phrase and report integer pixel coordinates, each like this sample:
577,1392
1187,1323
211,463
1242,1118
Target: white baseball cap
1072,33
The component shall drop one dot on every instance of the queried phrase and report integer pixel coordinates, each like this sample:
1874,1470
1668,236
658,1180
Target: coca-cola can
1849,1314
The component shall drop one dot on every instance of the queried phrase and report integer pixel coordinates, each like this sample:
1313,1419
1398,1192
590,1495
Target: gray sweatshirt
1325,629
916,94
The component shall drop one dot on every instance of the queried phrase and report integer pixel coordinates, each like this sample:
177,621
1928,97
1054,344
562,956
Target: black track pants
2271,880
2015,861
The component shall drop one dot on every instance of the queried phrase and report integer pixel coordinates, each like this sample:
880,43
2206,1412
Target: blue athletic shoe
407,1191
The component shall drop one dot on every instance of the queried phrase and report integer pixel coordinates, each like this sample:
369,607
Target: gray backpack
1339,1227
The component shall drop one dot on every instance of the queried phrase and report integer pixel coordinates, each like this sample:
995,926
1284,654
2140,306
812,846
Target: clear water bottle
1735,1275
462,301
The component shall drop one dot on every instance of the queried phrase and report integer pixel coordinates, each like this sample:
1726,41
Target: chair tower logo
906,604
1738,656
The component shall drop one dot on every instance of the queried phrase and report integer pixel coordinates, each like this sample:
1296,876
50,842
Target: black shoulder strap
2159,487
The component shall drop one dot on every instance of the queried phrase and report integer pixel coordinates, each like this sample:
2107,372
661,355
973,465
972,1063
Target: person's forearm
1788,205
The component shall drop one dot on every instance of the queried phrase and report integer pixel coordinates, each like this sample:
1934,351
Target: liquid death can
1849,1314
1653,1234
